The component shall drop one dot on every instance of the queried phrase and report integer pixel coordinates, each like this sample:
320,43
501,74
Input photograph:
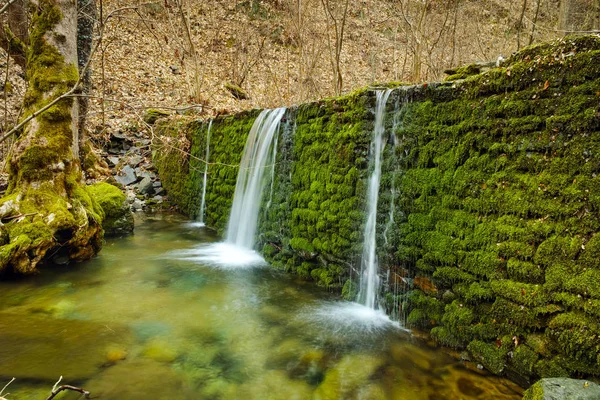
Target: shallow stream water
141,322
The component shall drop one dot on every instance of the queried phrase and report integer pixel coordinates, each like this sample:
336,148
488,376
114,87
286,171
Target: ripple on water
222,256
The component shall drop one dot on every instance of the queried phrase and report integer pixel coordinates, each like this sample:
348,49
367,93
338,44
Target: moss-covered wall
488,216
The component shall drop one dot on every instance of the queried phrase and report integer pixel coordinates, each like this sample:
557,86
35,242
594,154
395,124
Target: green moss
492,357
112,207
152,114
535,392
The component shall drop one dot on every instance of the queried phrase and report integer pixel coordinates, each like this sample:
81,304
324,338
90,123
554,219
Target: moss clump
116,215
152,115
462,72
492,357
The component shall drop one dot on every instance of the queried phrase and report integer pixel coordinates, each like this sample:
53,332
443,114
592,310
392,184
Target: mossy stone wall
488,216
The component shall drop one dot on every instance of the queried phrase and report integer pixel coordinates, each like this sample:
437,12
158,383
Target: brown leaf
546,85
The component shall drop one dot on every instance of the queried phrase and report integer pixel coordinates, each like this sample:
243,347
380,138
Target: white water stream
206,156
259,156
369,279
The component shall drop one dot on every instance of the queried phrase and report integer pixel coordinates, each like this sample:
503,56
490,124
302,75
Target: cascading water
258,155
207,154
369,279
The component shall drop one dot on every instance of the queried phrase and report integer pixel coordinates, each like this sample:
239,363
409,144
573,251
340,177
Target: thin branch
5,386
56,391
5,7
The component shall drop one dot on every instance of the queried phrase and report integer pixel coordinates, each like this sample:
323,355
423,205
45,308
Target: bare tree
337,22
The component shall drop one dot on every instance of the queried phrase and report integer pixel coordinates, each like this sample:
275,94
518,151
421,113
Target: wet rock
160,350
126,176
277,385
347,377
563,388
372,392
115,354
41,349
410,355
136,380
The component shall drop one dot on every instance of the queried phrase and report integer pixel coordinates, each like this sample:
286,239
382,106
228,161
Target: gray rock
113,160
158,198
563,388
145,186
138,205
126,176
145,174
130,197
117,137
159,190
134,161
157,184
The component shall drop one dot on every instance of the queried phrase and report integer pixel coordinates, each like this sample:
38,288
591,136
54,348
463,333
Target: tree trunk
47,213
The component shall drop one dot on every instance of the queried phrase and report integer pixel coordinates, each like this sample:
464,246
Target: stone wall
489,204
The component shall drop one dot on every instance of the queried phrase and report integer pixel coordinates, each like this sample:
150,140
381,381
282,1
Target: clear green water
136,323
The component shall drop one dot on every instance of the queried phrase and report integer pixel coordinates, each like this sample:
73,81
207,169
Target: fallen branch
56,391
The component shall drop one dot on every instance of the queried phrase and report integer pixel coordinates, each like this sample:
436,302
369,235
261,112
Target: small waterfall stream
207,154
369,279
258,155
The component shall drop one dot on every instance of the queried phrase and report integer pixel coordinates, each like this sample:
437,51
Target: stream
141,322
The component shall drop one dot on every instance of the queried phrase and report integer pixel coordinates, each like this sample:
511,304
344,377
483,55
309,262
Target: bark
60,221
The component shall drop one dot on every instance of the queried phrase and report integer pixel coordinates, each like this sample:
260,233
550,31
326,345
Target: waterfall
369,279
207,154
258,155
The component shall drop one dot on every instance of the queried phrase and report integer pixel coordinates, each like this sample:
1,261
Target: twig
19,216
56,391
5,386
4,9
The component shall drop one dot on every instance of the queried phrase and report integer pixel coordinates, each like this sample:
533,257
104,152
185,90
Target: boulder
117,219
563,388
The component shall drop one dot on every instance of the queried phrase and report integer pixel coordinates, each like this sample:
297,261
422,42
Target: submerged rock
350,375
43,349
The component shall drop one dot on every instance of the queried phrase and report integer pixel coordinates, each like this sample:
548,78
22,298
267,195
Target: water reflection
134,324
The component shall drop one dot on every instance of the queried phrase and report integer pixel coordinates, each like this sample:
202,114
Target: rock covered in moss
152,114
563,388
117,218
